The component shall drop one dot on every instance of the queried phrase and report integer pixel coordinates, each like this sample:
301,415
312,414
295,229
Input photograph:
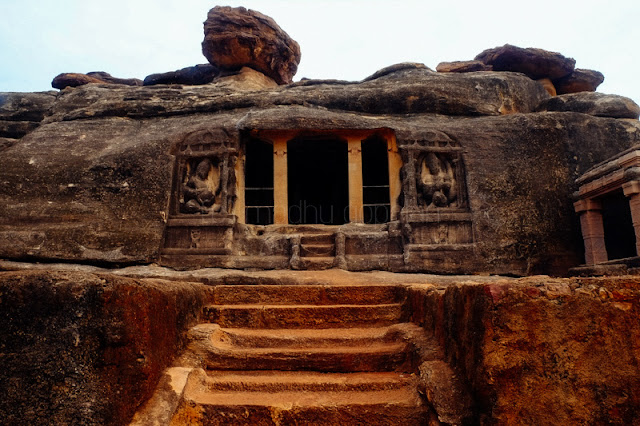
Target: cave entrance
619,236
318,181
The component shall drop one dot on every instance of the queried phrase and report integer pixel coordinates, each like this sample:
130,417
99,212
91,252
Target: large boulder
536,63
190,76
237,37
598,104
579,80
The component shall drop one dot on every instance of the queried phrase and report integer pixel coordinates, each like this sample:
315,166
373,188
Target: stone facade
598,188
420,171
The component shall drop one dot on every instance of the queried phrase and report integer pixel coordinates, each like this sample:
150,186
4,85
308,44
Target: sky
347,39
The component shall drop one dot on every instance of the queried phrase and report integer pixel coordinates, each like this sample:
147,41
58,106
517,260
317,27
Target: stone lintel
588,204
288,134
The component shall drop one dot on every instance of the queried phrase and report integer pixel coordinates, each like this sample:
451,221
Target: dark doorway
258,193
375,180
318,181
619,236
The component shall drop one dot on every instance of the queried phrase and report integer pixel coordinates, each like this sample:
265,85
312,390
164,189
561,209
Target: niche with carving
435,214
202,197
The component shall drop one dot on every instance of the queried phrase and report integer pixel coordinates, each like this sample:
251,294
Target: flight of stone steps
298,354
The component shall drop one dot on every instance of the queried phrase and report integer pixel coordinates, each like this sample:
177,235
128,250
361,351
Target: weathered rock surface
536,63
580,80
542,351
237,37
592,103
6,142
18,106
76,79
463,66
79,348
190,76
20,113
407,91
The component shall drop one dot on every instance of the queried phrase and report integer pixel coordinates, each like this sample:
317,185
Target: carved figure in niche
195,238
437,181
199,197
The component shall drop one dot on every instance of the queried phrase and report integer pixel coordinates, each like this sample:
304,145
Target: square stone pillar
632,190
280,182
239,206
395,185
590,212
356,208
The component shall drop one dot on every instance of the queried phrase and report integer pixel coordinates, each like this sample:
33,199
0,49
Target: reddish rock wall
79,348
540,350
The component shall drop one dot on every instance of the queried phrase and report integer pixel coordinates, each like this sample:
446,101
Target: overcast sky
345,39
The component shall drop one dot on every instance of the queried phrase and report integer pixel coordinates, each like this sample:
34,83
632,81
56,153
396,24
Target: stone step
306,381
324,239
317,263
303,338
317,250
280,398
303,316
389,407
306,294
386,356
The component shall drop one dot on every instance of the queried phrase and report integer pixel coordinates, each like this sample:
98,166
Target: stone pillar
632,190
590,212
395,185
356,209
239,206
280,184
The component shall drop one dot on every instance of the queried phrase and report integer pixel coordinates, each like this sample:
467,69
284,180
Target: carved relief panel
203,194
205,174
436,208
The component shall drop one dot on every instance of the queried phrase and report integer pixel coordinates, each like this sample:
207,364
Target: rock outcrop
190,76
20,113
596,104
237,37
75,79
542,350
535,63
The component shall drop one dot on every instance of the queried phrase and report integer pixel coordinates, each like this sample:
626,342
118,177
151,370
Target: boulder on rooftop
78,79
237,37
580,80
108,78
592,103
536,63
190,76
